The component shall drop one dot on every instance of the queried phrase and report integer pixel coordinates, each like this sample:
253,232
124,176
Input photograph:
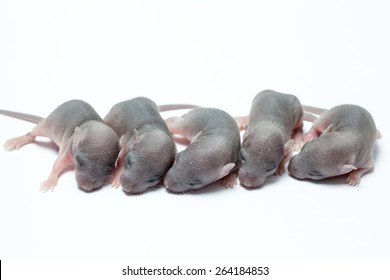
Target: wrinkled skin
212,153
273,120
85,143
341,141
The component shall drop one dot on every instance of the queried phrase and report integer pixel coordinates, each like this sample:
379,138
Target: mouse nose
252,182
133,189
89,187
292,167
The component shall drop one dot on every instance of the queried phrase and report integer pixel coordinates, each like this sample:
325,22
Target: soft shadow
211,188
48,145
273,180
151,189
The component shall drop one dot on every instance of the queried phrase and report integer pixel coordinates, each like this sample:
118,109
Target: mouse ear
226,169
242,122
78,136
121,151
134,138
289,147
328,129
347,168
196,137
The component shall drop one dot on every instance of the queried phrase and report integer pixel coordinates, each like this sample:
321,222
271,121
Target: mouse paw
45,186
354,178
230,180
18,142
280,170
48,185
11,145
116,183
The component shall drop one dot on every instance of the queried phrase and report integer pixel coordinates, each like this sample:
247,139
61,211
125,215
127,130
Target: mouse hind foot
355,176
18,142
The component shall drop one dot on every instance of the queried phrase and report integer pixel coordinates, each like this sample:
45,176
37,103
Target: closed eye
128,161
196,182
269,169
242,157
80,161
155,179
315,173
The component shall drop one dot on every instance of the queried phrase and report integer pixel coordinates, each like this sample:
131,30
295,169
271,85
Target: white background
211,53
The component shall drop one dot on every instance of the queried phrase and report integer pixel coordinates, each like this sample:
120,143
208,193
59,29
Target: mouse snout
136,182
294,170
90,181
89,184
133,188
172,185
252,182
249,180
168,184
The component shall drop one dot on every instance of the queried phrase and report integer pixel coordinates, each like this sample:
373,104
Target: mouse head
261,152
146,159
195,168
326,156
95,149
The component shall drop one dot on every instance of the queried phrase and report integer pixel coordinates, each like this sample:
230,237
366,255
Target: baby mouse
147,149
85,143
273,120
212,153
340,141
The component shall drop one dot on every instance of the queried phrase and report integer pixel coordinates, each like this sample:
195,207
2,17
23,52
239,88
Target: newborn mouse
267,145
212,153
345,144
85,143
147,149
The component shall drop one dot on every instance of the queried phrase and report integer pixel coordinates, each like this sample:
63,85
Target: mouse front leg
230,180
63,162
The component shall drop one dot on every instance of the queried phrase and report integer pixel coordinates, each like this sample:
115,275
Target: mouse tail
21,116
313,110
170,107
309,117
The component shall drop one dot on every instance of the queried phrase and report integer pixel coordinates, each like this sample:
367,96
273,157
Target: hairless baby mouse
147,149
85,143
212,153
344,139
267,144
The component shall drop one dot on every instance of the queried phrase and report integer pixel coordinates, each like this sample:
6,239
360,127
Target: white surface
212,53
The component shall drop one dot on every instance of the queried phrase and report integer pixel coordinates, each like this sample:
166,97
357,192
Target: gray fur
345,144
147,148
272,120
212,153
85,143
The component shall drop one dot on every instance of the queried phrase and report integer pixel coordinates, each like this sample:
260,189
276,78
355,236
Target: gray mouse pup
85,143
345,144
267,145
147,149
212,153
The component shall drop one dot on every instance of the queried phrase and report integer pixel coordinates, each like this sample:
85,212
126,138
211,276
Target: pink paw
11,145
47,185
281,170
353,178
116,182
230,180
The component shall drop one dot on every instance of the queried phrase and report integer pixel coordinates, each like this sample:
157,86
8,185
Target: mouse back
212,153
